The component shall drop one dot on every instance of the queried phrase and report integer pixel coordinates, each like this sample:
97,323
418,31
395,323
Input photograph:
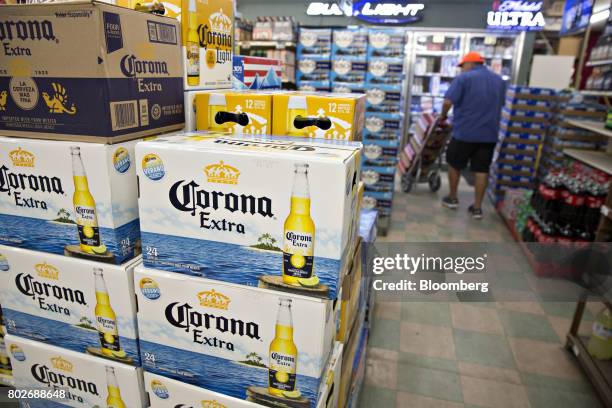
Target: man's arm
446,106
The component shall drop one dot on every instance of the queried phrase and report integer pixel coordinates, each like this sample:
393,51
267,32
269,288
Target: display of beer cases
531,93
76,379
71,198
314,86
350,295
202,197
349,358
386,42
318,115
72,303
383,98
236,112
348,87
314,69
164,392
375,172
348,69
273,345
350,41
6,370
522,115
126,83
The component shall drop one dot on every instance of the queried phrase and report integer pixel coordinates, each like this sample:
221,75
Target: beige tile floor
453,355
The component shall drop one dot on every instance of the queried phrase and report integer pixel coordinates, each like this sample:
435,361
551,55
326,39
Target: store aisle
452,355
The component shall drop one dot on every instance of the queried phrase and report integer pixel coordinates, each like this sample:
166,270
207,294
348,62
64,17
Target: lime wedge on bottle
309,282
99,250
292,394
119,353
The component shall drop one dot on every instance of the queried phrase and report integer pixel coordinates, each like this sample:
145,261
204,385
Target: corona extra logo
132,67
27,30
212,404
44,270
22,158
222,173
214,299
62,364
30,287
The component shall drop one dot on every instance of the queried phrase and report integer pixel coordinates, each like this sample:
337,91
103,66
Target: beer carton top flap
83,145
268,146
247,290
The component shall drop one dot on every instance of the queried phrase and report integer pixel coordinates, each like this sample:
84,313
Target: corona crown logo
44,270
214,299
212,404
220,22
222,173
62,364
22,158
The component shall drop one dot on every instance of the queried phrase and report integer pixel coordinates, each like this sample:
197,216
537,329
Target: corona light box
239,341
164,392
72,303
77,199
321,115
86,381
268,212
88,71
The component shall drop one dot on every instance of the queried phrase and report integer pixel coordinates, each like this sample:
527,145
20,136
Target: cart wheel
435,182
407,182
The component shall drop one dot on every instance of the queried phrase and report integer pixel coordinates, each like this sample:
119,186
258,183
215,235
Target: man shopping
477,96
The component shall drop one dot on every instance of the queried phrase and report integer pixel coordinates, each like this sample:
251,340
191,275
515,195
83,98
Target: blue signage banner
576,16
516,15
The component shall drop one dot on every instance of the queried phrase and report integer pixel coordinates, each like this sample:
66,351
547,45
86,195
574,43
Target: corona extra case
251,211
233,339
321,115
72,198
72,303
124,84
88,381
164,392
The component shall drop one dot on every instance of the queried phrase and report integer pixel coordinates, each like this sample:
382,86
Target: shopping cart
421,158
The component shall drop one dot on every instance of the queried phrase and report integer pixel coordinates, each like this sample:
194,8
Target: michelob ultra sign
265,212
88,71
232,339
71,303
85,381
69,198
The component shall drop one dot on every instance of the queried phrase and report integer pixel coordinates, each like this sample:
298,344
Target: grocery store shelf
267,44
596,93
436,53
596,127
599,160
599,63
432,74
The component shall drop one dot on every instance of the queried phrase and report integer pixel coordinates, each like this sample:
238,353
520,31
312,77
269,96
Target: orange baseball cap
472,57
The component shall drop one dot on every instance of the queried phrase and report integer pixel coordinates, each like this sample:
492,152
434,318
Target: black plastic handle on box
300,122
224,117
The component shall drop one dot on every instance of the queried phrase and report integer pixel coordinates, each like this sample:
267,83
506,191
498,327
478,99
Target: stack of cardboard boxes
314,59
70,118
525,120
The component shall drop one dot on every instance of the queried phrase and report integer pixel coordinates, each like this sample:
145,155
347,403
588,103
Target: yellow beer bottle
5,362
296,113
283,352
106,319
113,400
192,46
84,205
299,231
216,104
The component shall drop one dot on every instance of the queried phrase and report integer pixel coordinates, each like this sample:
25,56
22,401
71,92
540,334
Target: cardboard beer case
72,303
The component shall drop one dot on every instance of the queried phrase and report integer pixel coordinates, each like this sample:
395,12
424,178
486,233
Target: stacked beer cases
69,230
6,370
314,59
241,319
525,119
349,59
384,121
562,134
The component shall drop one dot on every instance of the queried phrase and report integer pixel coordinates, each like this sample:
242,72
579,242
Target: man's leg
479,188
454,176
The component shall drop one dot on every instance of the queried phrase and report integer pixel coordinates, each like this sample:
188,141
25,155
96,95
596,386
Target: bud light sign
371,11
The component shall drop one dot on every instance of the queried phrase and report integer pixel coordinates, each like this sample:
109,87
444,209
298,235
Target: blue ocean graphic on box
210,259
228,377
53,237
61,334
